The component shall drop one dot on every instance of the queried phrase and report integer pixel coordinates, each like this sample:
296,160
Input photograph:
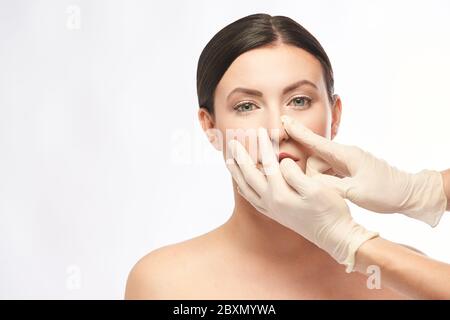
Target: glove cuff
346,238
427,201
358,239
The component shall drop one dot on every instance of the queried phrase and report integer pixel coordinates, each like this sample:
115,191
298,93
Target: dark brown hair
248,33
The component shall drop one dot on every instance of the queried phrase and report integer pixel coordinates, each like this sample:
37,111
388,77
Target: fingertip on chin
287,162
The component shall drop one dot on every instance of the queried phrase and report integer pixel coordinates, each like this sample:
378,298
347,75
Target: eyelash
308,104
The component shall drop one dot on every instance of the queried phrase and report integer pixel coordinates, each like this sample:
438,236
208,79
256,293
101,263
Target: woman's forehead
272,67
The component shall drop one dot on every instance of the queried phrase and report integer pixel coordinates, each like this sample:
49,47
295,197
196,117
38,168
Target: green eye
303,101
244,107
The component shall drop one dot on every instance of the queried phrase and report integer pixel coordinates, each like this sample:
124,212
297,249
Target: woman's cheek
317,119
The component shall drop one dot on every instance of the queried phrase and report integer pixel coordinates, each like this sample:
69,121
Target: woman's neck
259,234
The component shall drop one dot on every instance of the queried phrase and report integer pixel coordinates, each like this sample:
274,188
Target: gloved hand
300,203
370,182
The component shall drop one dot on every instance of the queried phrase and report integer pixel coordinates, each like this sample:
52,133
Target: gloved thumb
315,165
294,176
340,185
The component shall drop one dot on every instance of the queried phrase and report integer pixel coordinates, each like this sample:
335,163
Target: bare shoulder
148,274
162,273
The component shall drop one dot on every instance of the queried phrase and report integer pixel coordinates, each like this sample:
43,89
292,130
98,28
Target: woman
250,73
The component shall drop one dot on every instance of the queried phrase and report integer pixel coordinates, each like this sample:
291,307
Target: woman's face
270,70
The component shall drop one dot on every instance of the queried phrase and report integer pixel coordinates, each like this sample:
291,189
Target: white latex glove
370,182
300,203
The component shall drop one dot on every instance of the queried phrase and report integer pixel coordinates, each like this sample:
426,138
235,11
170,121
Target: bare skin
413,274
249,257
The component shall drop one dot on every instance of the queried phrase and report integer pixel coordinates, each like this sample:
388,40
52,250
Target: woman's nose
275,127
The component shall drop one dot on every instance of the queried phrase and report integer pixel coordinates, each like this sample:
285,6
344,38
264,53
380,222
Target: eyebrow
257,93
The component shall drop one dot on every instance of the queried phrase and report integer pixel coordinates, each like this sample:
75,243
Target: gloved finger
294,176
332,152
339,185
331,172
269,159
252,175
316,165
257,206
244,189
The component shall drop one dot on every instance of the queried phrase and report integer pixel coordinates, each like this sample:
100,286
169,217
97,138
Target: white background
93,120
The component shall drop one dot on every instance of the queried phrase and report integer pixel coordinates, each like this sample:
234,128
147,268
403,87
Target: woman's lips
283,155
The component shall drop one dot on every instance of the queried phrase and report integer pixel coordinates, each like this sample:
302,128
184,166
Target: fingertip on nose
286,119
